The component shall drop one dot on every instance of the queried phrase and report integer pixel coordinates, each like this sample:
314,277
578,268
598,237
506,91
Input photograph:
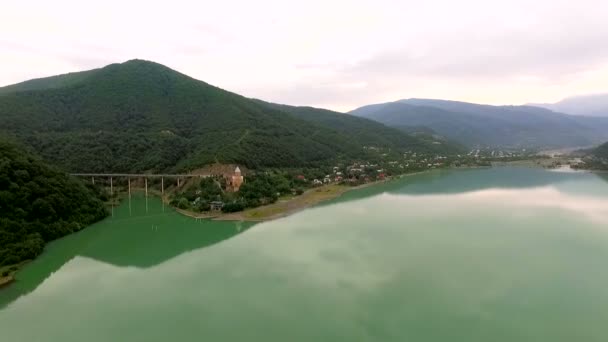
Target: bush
203,206
183,203
233,207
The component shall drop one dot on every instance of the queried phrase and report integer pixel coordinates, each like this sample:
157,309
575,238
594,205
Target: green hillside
601,151
142,116
38,204
52,82
365,131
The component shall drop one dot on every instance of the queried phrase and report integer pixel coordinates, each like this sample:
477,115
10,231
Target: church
234,180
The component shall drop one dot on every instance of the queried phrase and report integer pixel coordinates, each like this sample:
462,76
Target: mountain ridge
585,105
143,116
491,126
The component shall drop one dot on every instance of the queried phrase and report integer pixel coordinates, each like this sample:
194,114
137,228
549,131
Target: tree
38,203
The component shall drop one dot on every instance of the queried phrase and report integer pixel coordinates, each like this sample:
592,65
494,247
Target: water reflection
138,234
466,180
522,261
603,176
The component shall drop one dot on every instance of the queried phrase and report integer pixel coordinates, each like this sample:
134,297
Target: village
237,188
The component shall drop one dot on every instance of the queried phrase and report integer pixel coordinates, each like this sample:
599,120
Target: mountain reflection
142,234
459,181
431,262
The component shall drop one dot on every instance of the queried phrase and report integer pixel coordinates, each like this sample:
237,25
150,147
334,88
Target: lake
502,254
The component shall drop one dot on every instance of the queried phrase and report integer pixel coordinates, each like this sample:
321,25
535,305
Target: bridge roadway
136,175
139,175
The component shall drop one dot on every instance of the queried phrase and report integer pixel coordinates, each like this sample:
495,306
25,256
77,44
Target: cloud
506,56
324,55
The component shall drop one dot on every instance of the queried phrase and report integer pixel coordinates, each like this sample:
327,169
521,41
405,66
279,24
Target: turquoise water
504,254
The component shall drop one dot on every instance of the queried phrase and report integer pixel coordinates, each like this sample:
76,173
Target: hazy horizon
338,55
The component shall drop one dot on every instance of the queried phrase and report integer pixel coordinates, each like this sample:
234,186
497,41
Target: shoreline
6,281
11,270
293,204
288,206
283,207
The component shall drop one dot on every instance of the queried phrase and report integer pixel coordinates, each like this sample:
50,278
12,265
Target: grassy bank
288,205
7,273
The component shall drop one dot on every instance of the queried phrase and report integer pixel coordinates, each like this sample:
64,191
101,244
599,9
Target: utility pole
162,185
111,187
129,187
146,179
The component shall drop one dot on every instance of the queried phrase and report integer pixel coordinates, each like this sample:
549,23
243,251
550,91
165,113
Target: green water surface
503,254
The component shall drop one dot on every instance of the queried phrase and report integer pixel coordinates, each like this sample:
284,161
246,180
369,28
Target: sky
325,53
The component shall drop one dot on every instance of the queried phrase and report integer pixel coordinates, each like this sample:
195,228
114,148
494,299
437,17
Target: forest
597,158
39,203
140,116
601,151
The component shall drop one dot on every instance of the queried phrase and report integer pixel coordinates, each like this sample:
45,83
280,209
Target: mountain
491,126
588,105
38,204
142,116
370,132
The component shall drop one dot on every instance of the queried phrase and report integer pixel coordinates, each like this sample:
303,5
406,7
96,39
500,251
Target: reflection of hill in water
140,239
459,181
145,238
153,240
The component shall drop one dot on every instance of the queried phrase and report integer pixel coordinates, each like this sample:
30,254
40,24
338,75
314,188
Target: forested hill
601,151
38,204
366,131
142,116
58,81
495,126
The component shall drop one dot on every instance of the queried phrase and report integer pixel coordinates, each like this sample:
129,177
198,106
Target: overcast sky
325,53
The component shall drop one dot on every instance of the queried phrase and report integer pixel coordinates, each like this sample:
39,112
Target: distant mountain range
490,126
588,105
143,116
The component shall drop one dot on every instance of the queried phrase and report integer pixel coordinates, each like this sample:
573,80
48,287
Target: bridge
145,176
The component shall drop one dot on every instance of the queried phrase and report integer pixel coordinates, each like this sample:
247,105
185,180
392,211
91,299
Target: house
234,180
301,177
327,179
316,182
216,205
